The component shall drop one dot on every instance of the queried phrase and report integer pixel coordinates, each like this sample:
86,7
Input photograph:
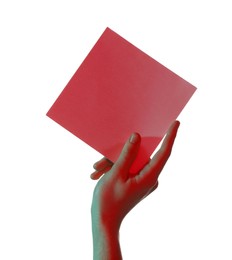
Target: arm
117,192
105,240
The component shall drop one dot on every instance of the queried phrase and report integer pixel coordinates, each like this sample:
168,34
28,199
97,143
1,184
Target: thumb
128,155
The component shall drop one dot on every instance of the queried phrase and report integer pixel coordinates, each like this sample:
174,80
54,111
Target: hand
117,192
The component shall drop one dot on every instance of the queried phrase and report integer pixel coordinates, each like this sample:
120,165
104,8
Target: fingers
102,164
128,155
160,158
155,166
97,174
168,142
101,167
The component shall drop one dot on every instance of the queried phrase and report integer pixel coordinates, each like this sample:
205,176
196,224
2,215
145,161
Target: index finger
156,164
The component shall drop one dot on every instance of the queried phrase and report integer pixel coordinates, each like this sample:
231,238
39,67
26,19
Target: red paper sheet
118,90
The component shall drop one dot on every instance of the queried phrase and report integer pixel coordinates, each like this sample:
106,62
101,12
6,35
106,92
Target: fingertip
135,138
177,123
95,176
102,164
173,128
91,176
95,166
99,165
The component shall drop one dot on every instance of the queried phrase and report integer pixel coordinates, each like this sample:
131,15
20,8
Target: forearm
106,244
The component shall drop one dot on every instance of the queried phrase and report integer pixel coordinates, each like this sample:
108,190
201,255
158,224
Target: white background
45,189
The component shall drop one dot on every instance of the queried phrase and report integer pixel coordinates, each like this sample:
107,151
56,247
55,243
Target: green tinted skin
117,192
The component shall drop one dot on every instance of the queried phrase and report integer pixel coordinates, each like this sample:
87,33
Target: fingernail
134,138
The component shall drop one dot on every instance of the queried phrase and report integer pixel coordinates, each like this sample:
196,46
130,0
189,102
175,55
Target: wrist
105,219
106,244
